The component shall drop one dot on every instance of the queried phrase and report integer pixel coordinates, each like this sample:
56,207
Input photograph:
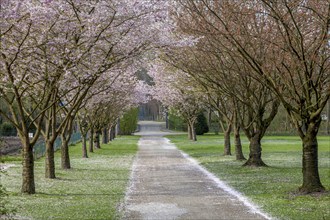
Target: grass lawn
272,188
92,189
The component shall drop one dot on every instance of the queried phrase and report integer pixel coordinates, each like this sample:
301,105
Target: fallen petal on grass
92,189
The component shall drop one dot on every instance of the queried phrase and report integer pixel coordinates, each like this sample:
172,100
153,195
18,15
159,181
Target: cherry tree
54,48
172,88
107,101
25,81
296,65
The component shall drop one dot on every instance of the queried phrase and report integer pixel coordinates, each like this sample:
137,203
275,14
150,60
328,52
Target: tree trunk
65,137
91,140
209,117
117,128
190,137
255,151
112,133
193,132
65,158
28,185
311,178
238,144
84,147
97,140
49,160
328,117
167,125
104,136
227,145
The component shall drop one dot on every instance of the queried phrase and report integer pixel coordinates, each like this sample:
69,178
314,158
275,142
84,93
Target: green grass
92,189
8,158
272,188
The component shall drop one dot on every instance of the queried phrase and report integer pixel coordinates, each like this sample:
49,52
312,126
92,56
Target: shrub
176,123
201,124
7,129
128,123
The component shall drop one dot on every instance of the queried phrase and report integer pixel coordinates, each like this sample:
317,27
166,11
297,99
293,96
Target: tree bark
115,131
117,128
209,117
65,137
238,144
193,131
311,178
190,137
28,185
255,151
256,131
84,147
328,117
112,133
227,145
49,161
65,158
110,130
104,136
97,140
91,140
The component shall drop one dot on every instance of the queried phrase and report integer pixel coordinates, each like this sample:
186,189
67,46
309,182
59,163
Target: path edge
121,209
253,208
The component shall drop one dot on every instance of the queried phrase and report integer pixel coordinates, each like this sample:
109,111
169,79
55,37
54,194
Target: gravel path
168,184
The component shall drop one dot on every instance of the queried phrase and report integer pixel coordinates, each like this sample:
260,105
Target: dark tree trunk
49,161
255,151
28,185
91,140
97,140
50,135
328,115
84,147
166,120
227,145
65,158
112,133
190,137
117,128
65,137
104,136
115,131
311,178
238,144
257,131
